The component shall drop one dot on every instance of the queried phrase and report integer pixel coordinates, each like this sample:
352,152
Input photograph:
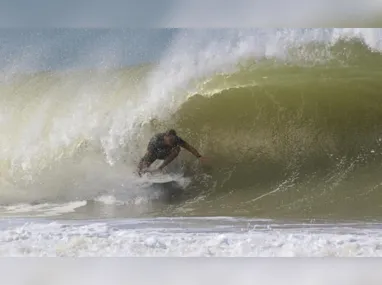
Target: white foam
134,200
41,210
133,239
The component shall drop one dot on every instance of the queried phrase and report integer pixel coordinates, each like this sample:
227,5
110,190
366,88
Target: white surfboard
160,177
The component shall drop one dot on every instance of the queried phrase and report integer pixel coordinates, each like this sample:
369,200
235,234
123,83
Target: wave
292,140
295,132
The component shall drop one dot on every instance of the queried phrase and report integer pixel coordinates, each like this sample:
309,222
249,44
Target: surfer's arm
149,157
191,149
174,153
144,162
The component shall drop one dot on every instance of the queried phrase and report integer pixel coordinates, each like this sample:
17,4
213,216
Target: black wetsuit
159,150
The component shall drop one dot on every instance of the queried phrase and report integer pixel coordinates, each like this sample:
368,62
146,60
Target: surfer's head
170,137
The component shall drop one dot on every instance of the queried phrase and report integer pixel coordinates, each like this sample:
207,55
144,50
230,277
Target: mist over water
291,120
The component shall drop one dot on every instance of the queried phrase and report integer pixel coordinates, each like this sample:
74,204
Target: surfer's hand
203,159
142,171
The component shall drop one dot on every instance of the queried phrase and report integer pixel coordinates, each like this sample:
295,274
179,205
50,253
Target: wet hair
171,132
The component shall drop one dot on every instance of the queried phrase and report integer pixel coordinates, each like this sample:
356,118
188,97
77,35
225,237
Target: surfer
164,146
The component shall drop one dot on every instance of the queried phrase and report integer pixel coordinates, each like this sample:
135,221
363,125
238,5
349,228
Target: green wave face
290,140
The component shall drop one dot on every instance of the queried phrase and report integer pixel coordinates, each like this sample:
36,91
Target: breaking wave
291,122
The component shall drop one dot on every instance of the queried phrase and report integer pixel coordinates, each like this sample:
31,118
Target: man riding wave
164,146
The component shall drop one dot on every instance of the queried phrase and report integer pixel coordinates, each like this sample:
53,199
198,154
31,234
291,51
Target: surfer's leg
172,155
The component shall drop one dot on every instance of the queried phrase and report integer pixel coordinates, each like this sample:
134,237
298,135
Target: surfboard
160,178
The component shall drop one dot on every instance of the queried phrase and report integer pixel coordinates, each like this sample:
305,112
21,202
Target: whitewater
290,120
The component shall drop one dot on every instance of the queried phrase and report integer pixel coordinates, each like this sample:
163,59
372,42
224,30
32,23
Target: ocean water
290,120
